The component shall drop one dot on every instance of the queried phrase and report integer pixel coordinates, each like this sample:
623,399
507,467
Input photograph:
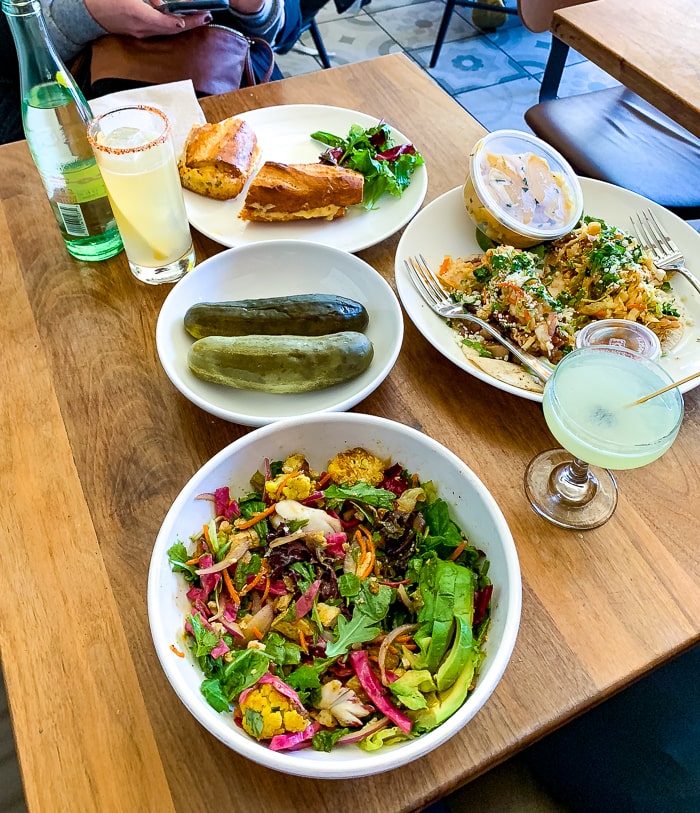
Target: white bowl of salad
334,595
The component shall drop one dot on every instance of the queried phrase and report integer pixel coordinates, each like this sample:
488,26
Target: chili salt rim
161,139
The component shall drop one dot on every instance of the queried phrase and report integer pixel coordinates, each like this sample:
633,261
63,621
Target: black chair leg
444,25
318,42
553,70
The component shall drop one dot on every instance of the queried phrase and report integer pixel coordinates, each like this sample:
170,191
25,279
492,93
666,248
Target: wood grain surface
96,444
651,47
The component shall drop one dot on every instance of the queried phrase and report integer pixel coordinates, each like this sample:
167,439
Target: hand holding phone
193,6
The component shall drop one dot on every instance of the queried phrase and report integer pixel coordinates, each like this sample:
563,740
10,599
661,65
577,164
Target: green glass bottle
55,117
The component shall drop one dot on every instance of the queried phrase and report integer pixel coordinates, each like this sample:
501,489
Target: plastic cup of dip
519,191
621,335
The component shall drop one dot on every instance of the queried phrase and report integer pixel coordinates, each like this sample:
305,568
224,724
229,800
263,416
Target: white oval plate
283,134
443,227
279,268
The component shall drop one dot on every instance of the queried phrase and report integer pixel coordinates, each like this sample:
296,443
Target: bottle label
84,182
73,220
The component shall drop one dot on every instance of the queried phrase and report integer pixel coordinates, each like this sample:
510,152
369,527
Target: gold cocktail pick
664,389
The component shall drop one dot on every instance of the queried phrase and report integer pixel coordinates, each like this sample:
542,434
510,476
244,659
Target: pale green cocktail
586,410
587,404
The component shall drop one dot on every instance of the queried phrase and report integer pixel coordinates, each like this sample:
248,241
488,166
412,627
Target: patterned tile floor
494,75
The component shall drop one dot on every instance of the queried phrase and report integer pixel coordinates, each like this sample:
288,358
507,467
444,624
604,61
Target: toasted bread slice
219,158
301,192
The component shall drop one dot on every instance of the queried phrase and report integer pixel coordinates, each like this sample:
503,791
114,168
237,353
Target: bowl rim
385,759
567,173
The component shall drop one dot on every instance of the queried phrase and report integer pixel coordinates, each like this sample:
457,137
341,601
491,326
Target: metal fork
665,253
430,288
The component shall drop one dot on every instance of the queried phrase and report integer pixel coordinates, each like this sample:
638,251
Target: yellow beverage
136,158
146,197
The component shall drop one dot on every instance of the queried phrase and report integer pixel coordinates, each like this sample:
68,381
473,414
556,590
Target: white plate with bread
282,137
282,268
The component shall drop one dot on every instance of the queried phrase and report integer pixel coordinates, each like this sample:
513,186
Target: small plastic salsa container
519,191
621,335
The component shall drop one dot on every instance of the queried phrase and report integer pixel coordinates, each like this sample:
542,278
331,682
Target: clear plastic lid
526,184
621,335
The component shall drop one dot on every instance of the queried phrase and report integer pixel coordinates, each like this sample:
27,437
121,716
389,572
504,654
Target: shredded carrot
231,589
368,552
444,266
284,482
174,649
324,479
194,561
457,551
257,633
259,576
302,641
205,530
256,518
266,591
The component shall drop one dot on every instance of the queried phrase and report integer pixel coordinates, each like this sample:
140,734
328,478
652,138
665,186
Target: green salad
334,608
387,167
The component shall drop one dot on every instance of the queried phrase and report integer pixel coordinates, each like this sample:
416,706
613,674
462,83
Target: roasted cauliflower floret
266,713
289,486
339,704
356,465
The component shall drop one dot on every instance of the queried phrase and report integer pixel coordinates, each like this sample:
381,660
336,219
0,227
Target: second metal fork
665,253
430,288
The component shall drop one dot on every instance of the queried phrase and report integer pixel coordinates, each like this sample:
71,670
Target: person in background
74,24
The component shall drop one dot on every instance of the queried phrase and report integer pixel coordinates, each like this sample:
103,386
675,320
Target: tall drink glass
588,407
134,152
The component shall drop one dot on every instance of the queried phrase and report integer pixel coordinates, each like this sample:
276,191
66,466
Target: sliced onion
366,731
262,621
205,496
231,558
282,540
386,643
403,595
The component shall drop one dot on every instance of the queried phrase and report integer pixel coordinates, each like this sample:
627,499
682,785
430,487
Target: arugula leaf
325,740
307,574
282,651
442,530
204,640
348,585
243,671
306,679
245,569
178,558
214,694
358,630
369,611
361,493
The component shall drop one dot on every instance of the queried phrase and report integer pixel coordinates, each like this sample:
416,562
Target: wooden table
96,443
651,47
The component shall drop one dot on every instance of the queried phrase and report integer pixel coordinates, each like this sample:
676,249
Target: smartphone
193,6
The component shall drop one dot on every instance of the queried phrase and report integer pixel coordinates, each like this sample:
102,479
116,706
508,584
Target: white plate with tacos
443,228
284,134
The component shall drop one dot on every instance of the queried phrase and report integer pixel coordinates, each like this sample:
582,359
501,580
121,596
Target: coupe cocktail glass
586,405
134,152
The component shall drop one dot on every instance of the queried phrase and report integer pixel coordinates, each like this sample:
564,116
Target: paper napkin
177,100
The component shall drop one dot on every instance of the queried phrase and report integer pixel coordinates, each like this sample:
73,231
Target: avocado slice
442,705
411,687
460,654
439,642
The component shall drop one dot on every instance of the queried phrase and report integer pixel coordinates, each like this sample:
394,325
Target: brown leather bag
216,58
